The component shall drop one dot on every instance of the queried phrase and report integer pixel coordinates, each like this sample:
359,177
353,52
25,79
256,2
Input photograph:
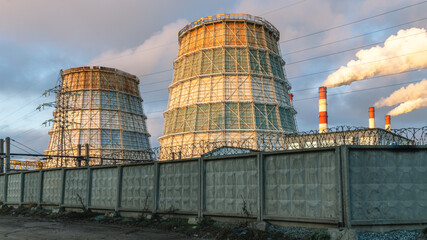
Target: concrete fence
341,186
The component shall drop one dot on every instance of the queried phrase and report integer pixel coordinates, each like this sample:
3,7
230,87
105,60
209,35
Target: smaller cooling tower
101,107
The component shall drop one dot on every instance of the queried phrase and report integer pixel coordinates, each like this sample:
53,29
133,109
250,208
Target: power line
277,9
322,45
380,76
346,39
353,22
20,148
348,92
331,70
28,131
157,90
292,39
20,108
351,49
24,146
139,51
167,80
360,90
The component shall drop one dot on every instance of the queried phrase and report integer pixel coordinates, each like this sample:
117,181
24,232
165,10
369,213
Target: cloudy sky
40,37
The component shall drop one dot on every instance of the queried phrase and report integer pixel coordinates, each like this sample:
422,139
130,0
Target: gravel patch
395,235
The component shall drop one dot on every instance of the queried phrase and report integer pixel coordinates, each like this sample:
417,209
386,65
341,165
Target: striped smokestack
387,122
371,117
323,114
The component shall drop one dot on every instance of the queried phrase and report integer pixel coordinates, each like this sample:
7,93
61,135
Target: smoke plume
401,52
404,94
412,97
408,106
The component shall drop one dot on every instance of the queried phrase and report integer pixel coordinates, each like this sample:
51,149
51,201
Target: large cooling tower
101,107
229,86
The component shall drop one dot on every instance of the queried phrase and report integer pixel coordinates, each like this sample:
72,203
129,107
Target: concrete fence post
22,190
119,187
40,197
89,187
63,178
338,162
156,186
7,168
261,182
6,183
201,187
1,155
345,174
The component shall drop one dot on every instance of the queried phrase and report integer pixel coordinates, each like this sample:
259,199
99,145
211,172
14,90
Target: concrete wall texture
342,186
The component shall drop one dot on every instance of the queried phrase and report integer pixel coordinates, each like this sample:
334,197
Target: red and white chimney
323,114
371,117
387,122
291,98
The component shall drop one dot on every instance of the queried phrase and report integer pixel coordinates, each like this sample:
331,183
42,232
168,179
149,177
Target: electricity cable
20,148
303,36
360,90
331,70
348,50
25,146
353,22
280,8
346,39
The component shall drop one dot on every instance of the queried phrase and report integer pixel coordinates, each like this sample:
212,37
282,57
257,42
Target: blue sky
40,37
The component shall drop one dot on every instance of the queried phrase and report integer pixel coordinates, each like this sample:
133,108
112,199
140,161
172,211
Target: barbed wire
263,142
336,136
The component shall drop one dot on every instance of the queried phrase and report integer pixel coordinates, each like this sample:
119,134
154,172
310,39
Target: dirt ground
21,228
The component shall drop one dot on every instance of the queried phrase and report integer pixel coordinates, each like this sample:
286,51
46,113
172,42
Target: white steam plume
401,52
408,106
411,97
404,94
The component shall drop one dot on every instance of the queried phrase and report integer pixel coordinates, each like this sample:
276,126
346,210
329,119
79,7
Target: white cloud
157,52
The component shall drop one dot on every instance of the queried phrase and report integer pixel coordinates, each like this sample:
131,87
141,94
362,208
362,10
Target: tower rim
231,17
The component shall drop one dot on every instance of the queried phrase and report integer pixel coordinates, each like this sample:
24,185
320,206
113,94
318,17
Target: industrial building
101,107
229,85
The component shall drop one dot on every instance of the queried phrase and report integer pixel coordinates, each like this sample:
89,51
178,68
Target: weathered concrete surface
27,228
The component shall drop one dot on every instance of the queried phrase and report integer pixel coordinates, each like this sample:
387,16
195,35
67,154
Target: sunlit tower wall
229,85
101,107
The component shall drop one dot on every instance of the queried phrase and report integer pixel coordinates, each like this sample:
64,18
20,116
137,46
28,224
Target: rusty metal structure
229,84
101,108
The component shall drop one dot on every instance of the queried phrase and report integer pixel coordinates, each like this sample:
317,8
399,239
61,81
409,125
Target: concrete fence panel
302,185
14,188
178,186
51,192
348,185
387,185
76,187
137,187
231,185
32,187
104,187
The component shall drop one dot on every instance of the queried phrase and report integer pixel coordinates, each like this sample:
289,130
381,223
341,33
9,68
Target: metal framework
229,84
101,107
